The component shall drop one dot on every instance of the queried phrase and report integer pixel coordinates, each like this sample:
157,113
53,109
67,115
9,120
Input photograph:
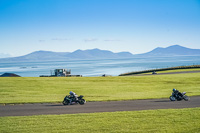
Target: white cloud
60,39
112,40
90,40
41,40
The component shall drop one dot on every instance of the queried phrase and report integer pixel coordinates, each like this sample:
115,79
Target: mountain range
174,50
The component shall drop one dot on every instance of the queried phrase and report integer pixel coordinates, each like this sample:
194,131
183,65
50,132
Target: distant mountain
38,55
78,54
97,53
44,55
174,50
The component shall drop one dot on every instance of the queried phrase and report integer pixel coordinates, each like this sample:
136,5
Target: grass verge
163,120
174,69
178,70
53,89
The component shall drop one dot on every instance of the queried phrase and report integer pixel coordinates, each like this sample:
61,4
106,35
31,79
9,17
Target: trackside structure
61,73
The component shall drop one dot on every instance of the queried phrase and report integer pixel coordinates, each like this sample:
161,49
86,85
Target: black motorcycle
179,97
80,100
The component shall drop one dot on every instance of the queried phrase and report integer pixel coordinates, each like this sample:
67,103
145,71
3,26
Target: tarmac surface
91,107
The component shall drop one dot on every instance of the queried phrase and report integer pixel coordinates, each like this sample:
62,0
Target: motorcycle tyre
186,98
172,98
179,99
65,102
82,101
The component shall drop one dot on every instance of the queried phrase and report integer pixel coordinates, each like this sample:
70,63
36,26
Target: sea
96,67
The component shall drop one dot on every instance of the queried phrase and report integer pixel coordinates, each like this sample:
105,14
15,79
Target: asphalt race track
91,107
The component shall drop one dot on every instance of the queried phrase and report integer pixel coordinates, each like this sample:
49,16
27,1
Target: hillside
78,54
174,50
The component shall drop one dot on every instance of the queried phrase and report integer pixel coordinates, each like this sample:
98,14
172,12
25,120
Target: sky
137,26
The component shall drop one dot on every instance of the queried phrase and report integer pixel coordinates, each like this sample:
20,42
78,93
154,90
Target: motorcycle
179,97
80,100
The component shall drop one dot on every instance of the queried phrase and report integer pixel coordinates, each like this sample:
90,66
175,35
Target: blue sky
136,26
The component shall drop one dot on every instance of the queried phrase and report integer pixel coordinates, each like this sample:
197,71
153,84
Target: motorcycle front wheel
65,102
186,98
82,101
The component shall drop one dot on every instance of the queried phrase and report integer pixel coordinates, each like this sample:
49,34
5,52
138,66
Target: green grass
53,89
166,120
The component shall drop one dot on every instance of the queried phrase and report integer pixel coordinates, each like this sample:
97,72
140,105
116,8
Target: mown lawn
53,89
166,120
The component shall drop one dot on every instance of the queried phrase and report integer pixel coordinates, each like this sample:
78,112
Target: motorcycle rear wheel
172,98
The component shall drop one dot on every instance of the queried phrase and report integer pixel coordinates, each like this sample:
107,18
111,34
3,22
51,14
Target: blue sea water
96,67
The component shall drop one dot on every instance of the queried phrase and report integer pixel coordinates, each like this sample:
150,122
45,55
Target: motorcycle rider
177,93
73,96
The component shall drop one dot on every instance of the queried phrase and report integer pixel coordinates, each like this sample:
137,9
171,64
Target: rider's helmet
174,90
71,93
